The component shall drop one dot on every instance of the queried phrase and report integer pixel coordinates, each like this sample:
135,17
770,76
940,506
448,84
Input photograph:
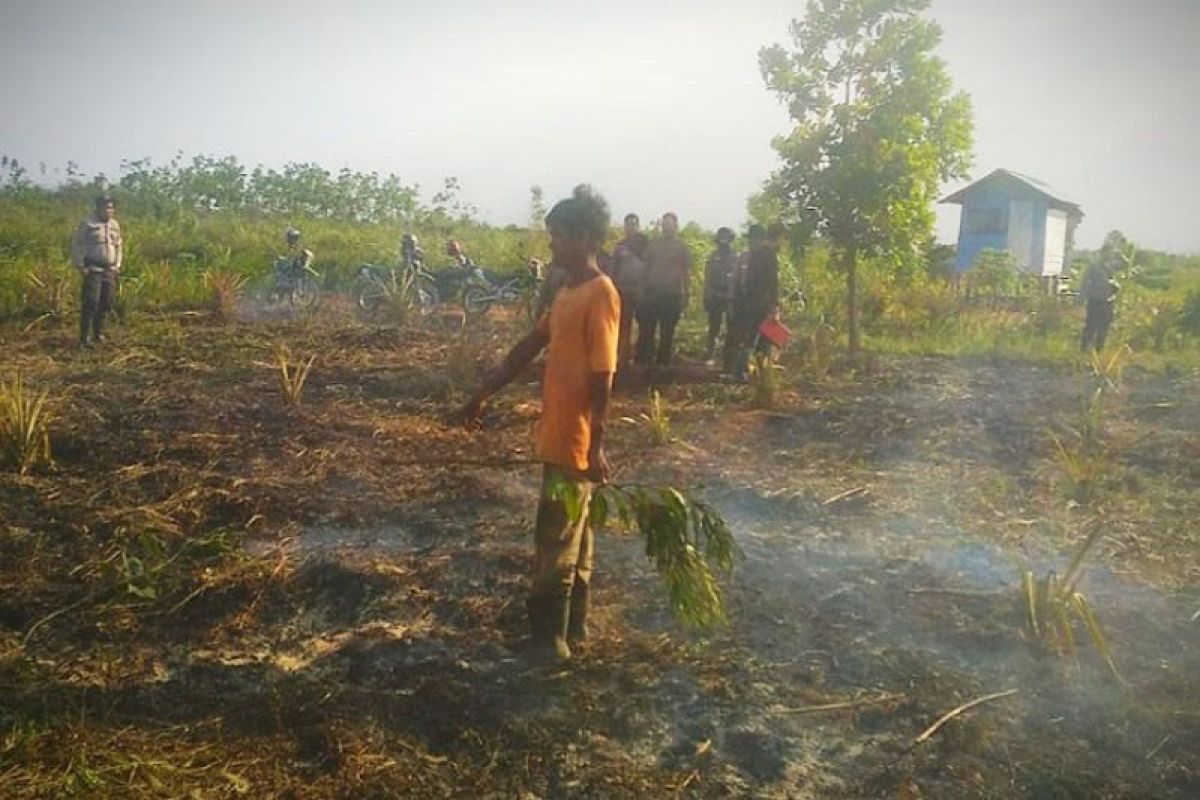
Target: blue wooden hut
1010,211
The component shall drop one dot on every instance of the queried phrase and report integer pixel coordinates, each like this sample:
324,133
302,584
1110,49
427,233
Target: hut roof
1055,197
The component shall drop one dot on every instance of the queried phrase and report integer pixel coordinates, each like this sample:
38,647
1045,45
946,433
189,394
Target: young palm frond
688,541
292,376
658,422
1054,608
24,426
226,288
46,292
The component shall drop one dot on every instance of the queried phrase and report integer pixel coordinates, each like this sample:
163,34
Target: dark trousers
744,334
1095,325
720,312
97,299
563,548
629,309
657,317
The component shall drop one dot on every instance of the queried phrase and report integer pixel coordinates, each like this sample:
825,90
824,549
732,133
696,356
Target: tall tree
877,129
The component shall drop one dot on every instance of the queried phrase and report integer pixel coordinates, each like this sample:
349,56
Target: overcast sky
659,104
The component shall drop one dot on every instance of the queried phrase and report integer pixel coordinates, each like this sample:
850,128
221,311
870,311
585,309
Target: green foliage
1189,314
994,274
877,130
181,219
150,564
1082,455
686,540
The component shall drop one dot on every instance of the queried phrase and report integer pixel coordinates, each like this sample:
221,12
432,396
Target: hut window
985,220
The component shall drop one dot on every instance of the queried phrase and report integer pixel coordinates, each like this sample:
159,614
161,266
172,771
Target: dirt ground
215,595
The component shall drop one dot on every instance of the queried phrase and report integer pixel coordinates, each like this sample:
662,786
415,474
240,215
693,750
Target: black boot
548,619
577,629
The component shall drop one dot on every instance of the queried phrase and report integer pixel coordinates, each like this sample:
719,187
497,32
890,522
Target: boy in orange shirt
580,333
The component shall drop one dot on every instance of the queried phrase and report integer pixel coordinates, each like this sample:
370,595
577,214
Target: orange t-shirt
583,329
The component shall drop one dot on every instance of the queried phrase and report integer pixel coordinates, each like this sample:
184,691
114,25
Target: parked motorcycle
299,286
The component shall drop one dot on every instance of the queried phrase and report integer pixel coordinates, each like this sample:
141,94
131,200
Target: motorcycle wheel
427,299
476,302
369,296
304,294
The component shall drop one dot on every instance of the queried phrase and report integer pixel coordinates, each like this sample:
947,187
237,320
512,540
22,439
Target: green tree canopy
877,130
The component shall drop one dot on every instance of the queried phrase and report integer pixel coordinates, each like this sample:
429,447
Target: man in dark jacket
758,295
719,274
1099,293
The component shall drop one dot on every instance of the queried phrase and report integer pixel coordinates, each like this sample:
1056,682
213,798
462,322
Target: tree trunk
852,297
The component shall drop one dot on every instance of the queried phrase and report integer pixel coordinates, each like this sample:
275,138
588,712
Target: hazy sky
659,104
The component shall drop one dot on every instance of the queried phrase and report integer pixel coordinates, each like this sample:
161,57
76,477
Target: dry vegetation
214,592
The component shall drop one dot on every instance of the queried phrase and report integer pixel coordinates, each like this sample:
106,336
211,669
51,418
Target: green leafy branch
688,541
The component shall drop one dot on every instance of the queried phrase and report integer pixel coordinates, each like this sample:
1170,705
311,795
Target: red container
774,332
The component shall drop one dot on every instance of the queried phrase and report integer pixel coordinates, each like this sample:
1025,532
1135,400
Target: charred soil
213,593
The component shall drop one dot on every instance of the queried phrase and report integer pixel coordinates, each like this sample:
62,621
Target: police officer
96,252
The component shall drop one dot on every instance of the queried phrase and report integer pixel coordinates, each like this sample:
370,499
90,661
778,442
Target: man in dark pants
629,275
719,274
1099,292
667,282
758,296
96,252
580,335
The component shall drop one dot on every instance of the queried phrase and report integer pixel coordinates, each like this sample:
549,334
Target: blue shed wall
995,196
1040,207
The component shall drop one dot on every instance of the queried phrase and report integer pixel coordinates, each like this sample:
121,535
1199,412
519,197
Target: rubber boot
548,619
577,629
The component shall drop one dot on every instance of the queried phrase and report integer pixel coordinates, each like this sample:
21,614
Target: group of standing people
654,279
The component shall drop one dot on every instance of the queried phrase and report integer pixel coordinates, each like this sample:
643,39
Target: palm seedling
46,293
1054,607
226,287
764,381
657,421
292,375
24,426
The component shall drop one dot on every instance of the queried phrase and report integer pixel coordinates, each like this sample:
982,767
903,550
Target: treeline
208,183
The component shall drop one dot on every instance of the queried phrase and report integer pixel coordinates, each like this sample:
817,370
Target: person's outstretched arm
519,357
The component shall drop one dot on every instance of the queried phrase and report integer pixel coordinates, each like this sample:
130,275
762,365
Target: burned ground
212,591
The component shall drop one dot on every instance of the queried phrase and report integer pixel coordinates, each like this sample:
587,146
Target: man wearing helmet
455,250
300,258
411,254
